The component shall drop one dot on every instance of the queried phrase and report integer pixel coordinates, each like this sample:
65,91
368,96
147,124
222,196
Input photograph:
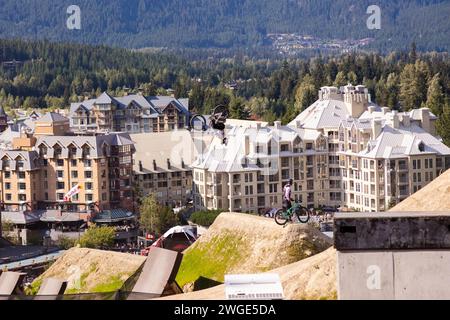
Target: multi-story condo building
386,156
162,164
130,113
320,150
43,166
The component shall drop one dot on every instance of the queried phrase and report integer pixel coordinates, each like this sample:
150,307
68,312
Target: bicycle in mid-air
284,216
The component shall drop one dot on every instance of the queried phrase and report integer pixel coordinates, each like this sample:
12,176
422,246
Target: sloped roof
52,117
402,142
153,103
178,146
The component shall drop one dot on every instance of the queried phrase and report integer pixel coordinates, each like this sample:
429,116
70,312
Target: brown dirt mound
313,278
435,196
244,243
89,270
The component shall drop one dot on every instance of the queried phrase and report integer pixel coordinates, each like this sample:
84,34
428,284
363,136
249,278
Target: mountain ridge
225,24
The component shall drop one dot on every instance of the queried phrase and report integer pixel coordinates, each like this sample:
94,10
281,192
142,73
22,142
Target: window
284,147
88,174
60,162
89,197
22,197
8,186
60,185
60,174
73,162
22,186
21,175
8,196
88,185
7,174
87,163
74,174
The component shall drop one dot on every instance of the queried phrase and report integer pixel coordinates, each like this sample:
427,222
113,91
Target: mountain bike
284,216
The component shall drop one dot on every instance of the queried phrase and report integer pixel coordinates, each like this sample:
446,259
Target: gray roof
52,117
403,142
95,143
30,158
155,104
21,217
58,216
178,146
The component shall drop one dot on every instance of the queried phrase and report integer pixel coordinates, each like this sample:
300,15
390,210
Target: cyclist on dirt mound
287,195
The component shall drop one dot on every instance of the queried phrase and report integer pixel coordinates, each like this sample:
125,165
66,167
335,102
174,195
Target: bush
65,242
98,237
206,217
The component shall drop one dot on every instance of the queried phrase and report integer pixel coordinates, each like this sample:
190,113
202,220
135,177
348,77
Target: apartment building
43,166
387,156
320,150
162,164
131,113
248,173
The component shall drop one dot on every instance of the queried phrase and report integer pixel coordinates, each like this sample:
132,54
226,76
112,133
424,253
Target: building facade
329,150
130,113
162,165
43,166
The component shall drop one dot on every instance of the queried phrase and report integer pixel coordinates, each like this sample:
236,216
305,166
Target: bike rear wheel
280,218
303,215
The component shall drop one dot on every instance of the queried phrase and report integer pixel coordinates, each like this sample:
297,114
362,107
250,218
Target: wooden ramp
50,289
10,283
158,274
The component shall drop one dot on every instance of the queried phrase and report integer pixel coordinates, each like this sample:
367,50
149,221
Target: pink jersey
287,192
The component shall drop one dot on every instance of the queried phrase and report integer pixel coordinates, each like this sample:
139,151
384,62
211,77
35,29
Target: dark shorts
286,204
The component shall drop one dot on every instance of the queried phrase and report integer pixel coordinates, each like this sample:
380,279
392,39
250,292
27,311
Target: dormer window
42,150
421,147
58,150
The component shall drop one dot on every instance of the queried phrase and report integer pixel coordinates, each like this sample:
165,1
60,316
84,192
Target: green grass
114,283
212,259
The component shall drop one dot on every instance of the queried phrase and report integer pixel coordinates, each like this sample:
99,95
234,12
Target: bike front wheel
280,218
303,215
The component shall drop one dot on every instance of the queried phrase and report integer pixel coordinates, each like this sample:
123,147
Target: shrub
65,242
98,237
206,217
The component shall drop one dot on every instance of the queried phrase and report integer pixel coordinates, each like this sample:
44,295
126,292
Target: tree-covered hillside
227,23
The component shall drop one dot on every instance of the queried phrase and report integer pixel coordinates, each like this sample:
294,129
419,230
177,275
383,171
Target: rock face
243,243
435,196
92,271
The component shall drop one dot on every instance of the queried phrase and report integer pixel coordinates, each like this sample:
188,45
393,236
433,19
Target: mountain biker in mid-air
287,191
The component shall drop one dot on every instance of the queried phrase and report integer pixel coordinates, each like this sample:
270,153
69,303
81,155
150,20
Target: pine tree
306,94
435,96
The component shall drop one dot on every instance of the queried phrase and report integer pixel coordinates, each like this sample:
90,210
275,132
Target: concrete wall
393,274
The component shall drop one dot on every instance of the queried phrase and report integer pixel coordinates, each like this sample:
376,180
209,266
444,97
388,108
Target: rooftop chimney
406,120
168,164
183,165
140,166
376,128
425,119
298,124
154,165
277,124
